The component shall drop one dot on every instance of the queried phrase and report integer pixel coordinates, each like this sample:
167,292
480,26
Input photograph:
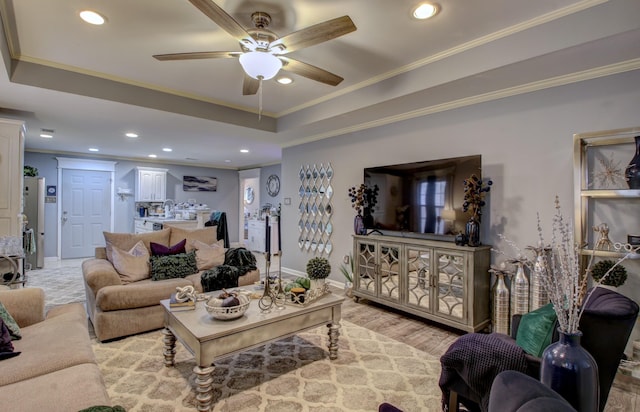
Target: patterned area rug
289,375
62,282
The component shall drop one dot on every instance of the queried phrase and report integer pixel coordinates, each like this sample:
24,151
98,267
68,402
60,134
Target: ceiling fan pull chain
260,99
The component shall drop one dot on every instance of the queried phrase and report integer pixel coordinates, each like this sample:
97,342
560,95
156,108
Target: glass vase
571,371
358,226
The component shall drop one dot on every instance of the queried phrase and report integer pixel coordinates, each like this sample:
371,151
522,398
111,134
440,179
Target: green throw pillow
173,266
536,329
12,325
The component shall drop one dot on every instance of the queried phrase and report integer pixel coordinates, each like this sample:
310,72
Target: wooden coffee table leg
204,387
334,333
169,347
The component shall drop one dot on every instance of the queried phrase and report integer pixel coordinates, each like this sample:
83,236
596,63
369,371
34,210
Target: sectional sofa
121,304
56,369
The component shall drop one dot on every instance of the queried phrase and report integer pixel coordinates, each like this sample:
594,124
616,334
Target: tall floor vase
571,371
538,294
500,316
519,290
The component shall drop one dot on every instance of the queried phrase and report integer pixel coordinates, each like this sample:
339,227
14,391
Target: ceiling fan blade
310,72
221,18
316,34
250,85
197,55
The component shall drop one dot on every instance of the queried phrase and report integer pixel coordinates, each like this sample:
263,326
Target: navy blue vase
632,172
571,371
472,230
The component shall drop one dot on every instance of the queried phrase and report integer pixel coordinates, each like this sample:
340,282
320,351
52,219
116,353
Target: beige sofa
117,308
56,370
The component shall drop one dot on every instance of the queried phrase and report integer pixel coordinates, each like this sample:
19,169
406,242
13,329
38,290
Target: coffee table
209,339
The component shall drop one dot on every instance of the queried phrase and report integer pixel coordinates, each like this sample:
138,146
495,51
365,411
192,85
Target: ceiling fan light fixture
260,65
92,17
425,10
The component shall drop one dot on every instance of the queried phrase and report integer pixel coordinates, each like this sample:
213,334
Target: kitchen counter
145,224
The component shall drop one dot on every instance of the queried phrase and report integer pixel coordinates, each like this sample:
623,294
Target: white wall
526,146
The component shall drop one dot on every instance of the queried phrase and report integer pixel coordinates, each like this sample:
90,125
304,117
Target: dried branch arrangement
563,279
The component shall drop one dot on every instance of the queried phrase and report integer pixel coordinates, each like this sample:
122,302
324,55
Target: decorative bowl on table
227,305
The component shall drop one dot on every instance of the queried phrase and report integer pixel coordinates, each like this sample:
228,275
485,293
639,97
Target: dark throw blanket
6,347
237,262
476,359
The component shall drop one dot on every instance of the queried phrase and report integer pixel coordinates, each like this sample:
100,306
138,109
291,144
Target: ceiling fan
263,52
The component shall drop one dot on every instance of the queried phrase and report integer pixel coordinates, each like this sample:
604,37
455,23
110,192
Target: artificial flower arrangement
563,279
363,198
475,190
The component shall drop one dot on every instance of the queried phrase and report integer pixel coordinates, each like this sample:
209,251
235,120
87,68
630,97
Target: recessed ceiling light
227,161
131,134
92,17
285,80
425,11
46,135
93,149
152,155
167,149
244,150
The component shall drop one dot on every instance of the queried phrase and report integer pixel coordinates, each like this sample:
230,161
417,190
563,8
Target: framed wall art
199,184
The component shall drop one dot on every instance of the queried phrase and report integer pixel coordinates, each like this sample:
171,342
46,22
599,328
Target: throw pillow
132,265
126,241
536,330
207,235
173,266
208,256
12,325
161,250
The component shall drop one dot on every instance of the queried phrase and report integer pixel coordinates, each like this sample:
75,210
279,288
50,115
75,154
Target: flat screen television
423,199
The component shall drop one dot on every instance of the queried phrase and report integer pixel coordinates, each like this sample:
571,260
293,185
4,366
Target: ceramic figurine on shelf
603,243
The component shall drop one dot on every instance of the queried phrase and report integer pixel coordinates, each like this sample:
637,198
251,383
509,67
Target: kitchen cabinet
11,183
151,184
435,280
142,226
602,195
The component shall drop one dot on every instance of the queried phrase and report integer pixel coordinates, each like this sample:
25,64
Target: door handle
64,216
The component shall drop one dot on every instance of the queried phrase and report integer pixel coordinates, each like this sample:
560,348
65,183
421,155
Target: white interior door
85,211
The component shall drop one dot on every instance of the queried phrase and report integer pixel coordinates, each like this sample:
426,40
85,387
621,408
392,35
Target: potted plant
347,272
318,269
616,276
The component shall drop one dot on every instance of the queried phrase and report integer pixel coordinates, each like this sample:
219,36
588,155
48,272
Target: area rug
289,375
62,282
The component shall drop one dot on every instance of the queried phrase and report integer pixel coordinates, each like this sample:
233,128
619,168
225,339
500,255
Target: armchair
606,324
516,392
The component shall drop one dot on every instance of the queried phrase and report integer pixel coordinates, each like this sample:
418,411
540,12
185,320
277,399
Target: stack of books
175,306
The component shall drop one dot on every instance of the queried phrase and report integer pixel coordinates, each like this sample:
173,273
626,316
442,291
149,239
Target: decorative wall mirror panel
315,208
